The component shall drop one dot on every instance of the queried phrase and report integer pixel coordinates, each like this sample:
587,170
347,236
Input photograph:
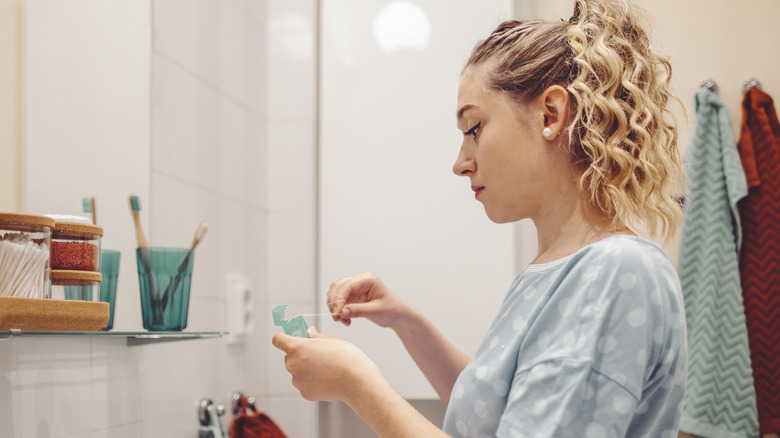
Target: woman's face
503,153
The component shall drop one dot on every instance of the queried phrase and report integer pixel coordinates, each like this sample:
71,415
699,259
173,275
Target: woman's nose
464,164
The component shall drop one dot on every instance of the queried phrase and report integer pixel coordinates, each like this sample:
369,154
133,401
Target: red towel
759,148
252,424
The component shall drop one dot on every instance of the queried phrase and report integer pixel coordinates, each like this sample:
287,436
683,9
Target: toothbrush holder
164,276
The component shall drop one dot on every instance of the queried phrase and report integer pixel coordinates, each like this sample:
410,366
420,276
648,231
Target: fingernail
312,330
345,313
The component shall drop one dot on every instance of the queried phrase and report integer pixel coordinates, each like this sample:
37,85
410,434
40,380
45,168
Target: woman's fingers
348,290
283,341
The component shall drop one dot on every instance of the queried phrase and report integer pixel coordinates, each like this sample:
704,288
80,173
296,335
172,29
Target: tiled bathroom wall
10,33
205,109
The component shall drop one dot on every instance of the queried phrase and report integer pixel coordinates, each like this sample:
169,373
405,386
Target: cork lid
76,229
25,219
64,276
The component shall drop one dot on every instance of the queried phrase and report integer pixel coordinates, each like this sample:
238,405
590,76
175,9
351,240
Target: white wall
390,203
10,127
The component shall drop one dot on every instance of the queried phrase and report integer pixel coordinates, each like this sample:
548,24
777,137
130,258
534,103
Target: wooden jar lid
25,219
68,276
75,228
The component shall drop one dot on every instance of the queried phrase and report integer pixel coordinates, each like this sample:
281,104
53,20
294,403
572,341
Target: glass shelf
133,338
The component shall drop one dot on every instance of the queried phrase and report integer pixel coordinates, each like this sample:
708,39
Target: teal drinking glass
109,268
164,275
82,293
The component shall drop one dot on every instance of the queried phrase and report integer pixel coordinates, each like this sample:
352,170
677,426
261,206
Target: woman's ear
555,107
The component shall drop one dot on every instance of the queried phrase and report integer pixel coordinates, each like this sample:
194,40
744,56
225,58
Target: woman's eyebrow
463,109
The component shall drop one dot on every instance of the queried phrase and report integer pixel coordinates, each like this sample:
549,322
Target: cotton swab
22,263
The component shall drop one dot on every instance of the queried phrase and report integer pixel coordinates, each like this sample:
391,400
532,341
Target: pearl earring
547,133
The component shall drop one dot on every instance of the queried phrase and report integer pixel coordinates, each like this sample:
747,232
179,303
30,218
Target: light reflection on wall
401,25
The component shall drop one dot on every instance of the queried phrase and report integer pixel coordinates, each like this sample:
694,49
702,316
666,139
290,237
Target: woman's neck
567,225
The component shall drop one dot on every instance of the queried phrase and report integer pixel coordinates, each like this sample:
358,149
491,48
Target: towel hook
750,83
236,405
709,83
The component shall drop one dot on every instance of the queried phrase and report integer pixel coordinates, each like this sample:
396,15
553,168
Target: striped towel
720,399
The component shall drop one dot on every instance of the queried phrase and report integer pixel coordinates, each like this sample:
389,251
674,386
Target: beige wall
10,152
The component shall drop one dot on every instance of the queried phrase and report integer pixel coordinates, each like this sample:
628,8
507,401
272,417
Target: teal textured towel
720,399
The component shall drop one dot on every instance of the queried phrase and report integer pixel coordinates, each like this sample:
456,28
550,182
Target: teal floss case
295,326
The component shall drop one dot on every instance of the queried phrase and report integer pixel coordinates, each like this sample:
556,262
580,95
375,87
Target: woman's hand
326,368
365,296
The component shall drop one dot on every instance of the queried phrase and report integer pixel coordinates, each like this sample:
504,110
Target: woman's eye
474,130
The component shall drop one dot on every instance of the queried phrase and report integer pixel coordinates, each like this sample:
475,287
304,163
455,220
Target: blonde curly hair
622,134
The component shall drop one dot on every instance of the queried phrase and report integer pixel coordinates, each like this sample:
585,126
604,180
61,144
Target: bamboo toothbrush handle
139,232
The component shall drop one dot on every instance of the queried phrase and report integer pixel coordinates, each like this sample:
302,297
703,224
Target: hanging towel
719,400
759,147
250,423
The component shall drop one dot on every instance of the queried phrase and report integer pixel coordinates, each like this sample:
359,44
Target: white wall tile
291,76
257,163
211,40
291,166
133,430
116,396
174,376
261,356
291,16
8,359
291,257
198,135
10,119
86,102
49,387
256,10
180,424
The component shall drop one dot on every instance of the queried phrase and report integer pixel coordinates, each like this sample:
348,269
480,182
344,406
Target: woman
565,123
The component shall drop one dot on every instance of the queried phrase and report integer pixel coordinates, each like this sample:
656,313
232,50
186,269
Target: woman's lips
477,190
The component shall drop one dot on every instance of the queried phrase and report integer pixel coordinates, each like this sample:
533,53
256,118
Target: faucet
208,416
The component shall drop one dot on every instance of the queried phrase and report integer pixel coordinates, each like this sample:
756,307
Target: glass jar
25,249
75,285
76,246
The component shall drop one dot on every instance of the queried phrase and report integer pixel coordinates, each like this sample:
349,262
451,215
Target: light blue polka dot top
592,345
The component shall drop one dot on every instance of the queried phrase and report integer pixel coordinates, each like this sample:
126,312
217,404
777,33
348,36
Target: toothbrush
88,206
146,258
135,207
200,232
